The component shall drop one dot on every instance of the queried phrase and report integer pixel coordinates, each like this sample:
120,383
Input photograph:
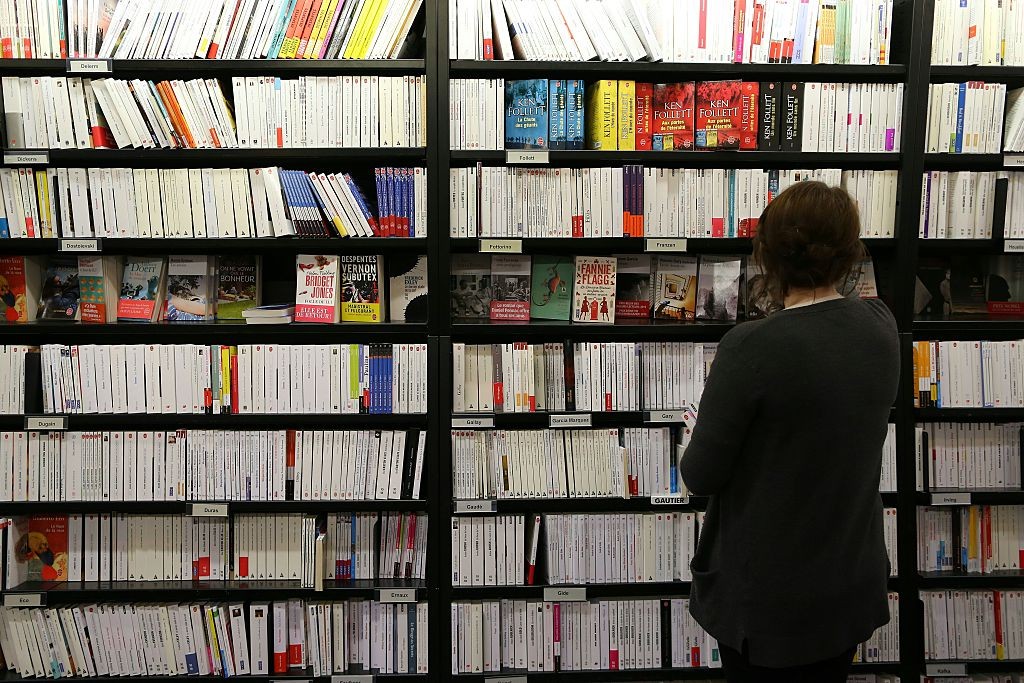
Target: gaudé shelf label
90,66
80,245
527,156
489,246
951,499
468,507
26,158
656,244
567,594
472,422
46,423
208,510
570,420
24,599
393,595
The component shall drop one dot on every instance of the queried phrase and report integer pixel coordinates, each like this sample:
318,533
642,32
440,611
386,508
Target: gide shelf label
527,156
565,594
209,510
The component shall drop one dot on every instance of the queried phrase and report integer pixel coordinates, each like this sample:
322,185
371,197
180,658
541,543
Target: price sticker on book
527,156
1013,160
393,595
570,421
90,66
469,507
675,499
46,423
1013,247
350,678
565,594
657,244
501,246
208,510
24,599
506,679
26,158
472,422
80,246
951,499
945,669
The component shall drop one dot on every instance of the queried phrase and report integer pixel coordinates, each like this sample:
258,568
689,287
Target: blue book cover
526,114
557,92
574,114
5,232
412,638
412,204
961,103
773,183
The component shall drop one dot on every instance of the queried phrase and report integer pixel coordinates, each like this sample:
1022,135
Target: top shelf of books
210,68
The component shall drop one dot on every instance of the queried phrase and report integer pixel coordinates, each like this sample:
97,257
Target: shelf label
350,678
1013,246
501,246
506,679
465,507
208,510
664,416
945,669
80,245
569,421
396,595
527,156
472,422
676,499
951,499
90,66
291,680
46,423
26,158
565,594
664,244
24,599
1013,160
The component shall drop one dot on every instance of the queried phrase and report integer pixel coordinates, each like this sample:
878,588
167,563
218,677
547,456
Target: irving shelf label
569,421
80,245
527,156
945,669
664,244
501,246
677,499
90,66
951,499
208,510
24,599
472,422
1013,247
26,158
46,423
390,595
466,507
565,595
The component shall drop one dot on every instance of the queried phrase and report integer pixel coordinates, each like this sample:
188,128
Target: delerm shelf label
24,599
391,595
505,679
208,510
527,156
472,422
663,416
655,244
26,158
565,594
501,246
945,669
675,499
469,507
1013,246
349,678
570,421
951,499
1013,160
46,423
90,66
79,246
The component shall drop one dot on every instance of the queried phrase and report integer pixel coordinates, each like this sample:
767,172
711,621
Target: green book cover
551,287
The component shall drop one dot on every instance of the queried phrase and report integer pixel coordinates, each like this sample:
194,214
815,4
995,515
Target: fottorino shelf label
1013,246
501,246
24,599
26,158
572,420
951,499
1013,160
662,416
90,66
209,510
465,507
472,422
565,594
527,156
664,244
675,499
945,669
46,423
80,245
396,595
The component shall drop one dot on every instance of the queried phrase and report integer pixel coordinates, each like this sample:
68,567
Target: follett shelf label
527,156
664,244
472,422
565,595
26,158
951,499
501,246
391,595
80,245
24,599
670,500
570,421
90,66
46,423
945,669
468,507
208,510
1013,246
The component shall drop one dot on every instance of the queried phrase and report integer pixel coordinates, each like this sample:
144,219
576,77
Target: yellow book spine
602,98
318,44
225,379
376,19
43,198
359,29
627,115
318,29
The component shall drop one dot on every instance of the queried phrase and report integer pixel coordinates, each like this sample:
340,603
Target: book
644,108
674,289
672,116
933,290
551,287
717,122
1004,288
633,286
360,278
602,115
239,285
968,285
317,290
407,291
142,290
575,114
510,287
626,112
558,114
790,117
769,108
59,293
190,288
526,114
758,301
43,549
471,286
269,311
718,288
20,279
749,119
593,299
860,283
99,278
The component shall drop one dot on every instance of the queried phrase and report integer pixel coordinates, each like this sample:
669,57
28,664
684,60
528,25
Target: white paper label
565,595
80,245
527,156
352,678
209,510
506,679
501,246
46,423
663,416
677,499
472,422
24,599
291,680
396,595
1013,246
945,669
26,158
90,66
1013,160
664,244
951,499
465,507
563,421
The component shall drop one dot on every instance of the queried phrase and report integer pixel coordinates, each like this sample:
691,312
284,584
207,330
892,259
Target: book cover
190,281
470,286
557,113
860,283
674,294
360,289
510,279
59,294
757,301
749,98
239,285
1005,285
718,288
317,295
593,294
407,288
933,292
98,282
644,109
968,284
672,116
142,288
626,110
768,116
574,114
20,279
42,550
717,123
791,112
633,286
551,287
602,115
526,114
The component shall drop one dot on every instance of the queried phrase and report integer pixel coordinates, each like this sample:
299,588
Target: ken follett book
526,114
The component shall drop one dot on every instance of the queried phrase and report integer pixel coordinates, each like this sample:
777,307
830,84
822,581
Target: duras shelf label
1013,160
663,416
505,679
951,499
501,246
565,594
945,669
527,156
472,422
1013,246
351,678
80,245
664,244
90,66
208,510
677,499
46,423
24,599
26,158
465,507
396,595
570,421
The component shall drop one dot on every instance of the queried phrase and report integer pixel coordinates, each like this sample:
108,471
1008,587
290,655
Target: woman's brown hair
808,237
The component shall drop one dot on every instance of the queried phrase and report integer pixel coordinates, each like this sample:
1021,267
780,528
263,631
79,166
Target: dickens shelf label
569,421
80,245
468,507
90,66
46,423
209,510
664,244
26,158
565,595
527,156
24,599
472,422
501,246
951,499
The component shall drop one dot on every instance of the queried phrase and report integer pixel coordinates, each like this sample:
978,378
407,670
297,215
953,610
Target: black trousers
738,669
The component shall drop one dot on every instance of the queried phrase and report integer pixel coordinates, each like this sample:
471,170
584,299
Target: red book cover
644,101
749,93
44,549
234,384
718,115
672,116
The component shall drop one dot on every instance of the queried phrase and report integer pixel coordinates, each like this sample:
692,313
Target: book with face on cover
757,300
470,286
40,548
1004,287
20,278
674,287
594,289
317,292
718,288
59,294
510,280
551,287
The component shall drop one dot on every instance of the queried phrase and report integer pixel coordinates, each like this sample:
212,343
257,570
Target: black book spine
666,634
793,100
768,128
570,377
408,456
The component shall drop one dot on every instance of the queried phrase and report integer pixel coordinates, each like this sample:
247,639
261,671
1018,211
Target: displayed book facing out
361,279
986,539
551,287
317,288
239,285
191,288
967,118
20,281
593,290
59,292
407,289
510,288
12,378
471,288
99,278
142,290
968,285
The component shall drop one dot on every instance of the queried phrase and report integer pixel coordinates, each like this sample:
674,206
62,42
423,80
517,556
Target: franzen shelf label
1013,246
565,595
90,66
468,507
351,678
24,599
945,669
527,156
1013,160
472,422
951,499
506,679
46,423
391,595
208,510
663,416
26,158
664,244
677,499
501,246
80,245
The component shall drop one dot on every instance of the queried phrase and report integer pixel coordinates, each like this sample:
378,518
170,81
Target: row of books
973,285
635,201
967,118
970,456
494,550
209,202
627,115
167,639
12,379
737,31
243,379
977,32
585,376
371,545
975,539
208,465
969,374
961,204
972,625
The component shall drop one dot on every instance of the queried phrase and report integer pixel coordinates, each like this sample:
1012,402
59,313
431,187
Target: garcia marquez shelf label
501,246
527,156
46,423
90,66
26,158
951,499
466,507
208,510
664,244
565,594
569,421
24,599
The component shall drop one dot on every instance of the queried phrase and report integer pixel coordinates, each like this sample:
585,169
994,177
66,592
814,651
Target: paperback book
551,287
594,289
1005,285
526,114
40,548
190,282
672,117
19,288
59,294
718,119
633,286
674,293
471,286
142,290
510,276
718,288
360,289
239,285
407,291
317,298
98,277
757,300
